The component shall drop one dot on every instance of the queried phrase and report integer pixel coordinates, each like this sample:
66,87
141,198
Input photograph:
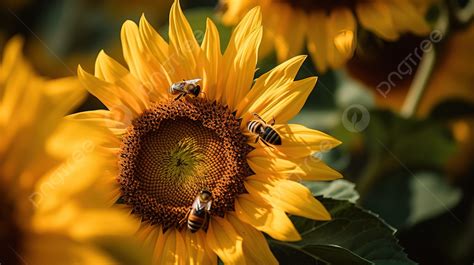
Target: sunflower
43,156
165,149
329,28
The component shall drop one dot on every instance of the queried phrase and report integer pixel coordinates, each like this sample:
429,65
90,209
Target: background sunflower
42,174
328,29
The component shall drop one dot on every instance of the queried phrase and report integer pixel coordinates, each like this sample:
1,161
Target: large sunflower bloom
164,151
43,156
329,28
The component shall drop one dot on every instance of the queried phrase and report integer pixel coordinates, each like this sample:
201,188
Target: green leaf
425,195
411,142
353,236
288,254
340,189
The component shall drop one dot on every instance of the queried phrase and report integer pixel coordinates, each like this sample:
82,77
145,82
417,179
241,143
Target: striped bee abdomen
270,136
254,127
196,220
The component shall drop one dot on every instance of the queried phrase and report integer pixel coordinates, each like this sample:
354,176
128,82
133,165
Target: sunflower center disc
176,149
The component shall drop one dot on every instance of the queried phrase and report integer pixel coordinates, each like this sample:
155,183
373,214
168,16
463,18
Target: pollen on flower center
176,149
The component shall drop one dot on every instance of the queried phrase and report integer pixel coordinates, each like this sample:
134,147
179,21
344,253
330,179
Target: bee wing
196,203
208,206
195,81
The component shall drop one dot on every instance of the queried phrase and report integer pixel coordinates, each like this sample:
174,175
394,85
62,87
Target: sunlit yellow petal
300,141
283,104
174,250
287,195
240,58
107,93
198,251
183,45
255,247
111,71
266,218
212,50
270,83
153,40
103,118
225,241
342,32
302,168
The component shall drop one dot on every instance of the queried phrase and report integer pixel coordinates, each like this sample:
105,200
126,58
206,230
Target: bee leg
258,116
182,221
178,97
256,139
205,225
267,144
272,122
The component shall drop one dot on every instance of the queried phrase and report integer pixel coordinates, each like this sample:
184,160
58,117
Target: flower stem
425,69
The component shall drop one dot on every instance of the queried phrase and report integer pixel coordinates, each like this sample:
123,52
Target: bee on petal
186,87
264,131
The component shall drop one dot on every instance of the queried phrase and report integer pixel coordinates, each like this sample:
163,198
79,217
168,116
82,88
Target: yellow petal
44,249
159,247
406,17
103,222
104,119
224,241
283,104
345,43
266,218
255,246
198,251
107,93
240,58
174,249
111,71
65,93
375,16
317,40
148,234
288,195
152,40
289,37
295,168
212,50
300,141
183,45
242,70
158,64
269,84
341,33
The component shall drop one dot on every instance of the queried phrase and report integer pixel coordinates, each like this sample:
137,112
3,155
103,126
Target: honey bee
264,131
198,215
186,87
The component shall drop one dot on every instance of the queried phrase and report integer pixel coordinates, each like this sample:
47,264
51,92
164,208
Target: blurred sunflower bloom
328,28
43,156
164,151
